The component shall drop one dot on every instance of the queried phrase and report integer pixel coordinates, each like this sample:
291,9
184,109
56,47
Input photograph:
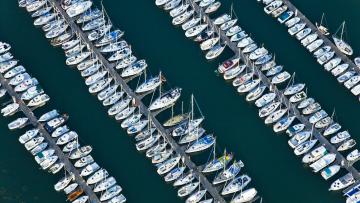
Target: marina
347,72
263,62
132,121
227,116
46,132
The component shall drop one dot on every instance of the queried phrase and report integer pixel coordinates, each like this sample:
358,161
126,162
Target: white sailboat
340,43
324,30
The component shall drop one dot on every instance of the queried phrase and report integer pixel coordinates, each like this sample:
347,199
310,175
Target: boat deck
143,109
340,159
327,41
68,166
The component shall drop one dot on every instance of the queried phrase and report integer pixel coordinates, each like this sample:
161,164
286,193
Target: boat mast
342,31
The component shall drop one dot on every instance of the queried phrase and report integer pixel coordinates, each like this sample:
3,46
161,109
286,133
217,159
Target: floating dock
68,166
327,41
213,191
340,159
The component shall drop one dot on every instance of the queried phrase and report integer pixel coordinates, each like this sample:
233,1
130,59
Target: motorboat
4,47
204,35
235,185
38,100
95,77
39,148
323,123
326,57
205,3
356,90
299,138
315,45
80,152
283,123
14,71
18,123
323,162
67,137
280,78
295,129
89,169
168,165
54,123
268,109
296,28
48,162
105,184
26,84
64,182
275,116
107,92
228,173
298,97
314,155
219,163
161,2
28,135
342,182
332,63
331,129
97,177
131,120
194,31
353,156
293,89
291,22
330,171
317,116
171,4
303,33
309,39
304,147
32,92
352,81
321,51
346,76
265,99
70,188
233,30
338,70
272,6
281,10
348,144
82,199
32,143
84,161
6,57
118,199
201,144
42,20
222,19
90,70
245,196
78,8
10,109
71,146
7,65
60,131
285,16
19,79
228,64
166,99
209,43
312,108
